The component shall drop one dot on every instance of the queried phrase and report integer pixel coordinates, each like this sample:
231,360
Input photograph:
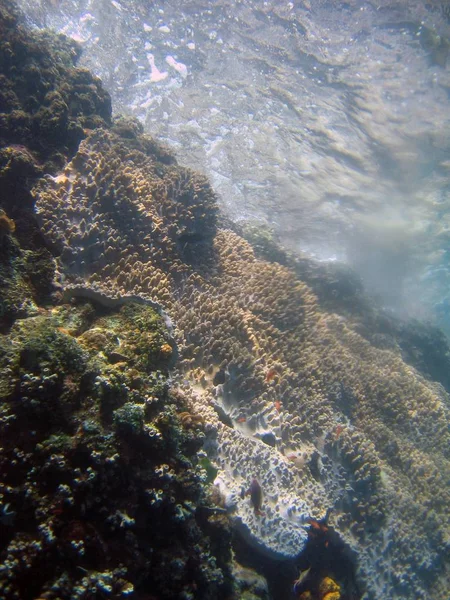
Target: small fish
219,377
256,496
317,525
319,530
278,405
64,331
302,579
242,419
271,374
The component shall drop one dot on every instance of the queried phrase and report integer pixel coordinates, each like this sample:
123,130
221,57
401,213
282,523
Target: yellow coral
166,350
329,589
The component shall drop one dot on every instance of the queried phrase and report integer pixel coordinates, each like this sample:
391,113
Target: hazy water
329,121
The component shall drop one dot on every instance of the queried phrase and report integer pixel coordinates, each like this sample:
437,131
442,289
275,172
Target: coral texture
127,221
291,394
349,416
103,492
101,486
46,102
47,105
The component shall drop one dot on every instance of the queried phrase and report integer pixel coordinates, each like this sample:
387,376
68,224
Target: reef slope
339,431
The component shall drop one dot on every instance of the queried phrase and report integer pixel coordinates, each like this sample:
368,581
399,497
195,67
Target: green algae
210,469
89,397
56,443
129,418
109,453
264,242
46,349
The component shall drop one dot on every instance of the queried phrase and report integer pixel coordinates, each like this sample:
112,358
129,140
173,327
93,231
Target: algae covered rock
46,100
46,105
27,275
97,464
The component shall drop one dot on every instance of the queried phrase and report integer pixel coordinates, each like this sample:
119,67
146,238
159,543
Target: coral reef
339,423
102,489
47,105
339,290
350,417
321,416
130,222
97,466
46,102
107,461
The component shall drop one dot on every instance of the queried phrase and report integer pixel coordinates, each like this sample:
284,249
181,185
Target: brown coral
127,221
190,420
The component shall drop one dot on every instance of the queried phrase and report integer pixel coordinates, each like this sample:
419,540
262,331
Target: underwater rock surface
100,477
107,462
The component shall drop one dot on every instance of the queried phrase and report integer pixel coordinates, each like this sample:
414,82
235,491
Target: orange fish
337,432
317,525
271,374
278,405
241,420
